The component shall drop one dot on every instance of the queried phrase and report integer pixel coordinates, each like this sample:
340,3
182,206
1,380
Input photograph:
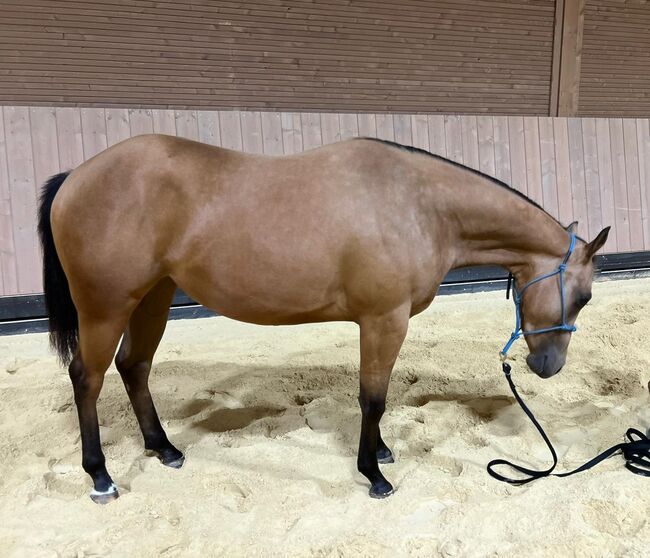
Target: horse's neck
495,226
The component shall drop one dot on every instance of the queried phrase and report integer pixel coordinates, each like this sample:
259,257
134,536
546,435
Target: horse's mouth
542,365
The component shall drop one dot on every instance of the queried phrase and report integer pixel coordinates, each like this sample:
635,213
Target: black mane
479,173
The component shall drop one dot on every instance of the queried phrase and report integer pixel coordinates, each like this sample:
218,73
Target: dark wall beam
567,53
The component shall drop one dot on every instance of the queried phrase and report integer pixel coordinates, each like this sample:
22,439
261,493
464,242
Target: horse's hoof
385,456
173,463
380,491
105,497
169,458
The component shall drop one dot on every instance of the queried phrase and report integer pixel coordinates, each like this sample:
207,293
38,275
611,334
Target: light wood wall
596,171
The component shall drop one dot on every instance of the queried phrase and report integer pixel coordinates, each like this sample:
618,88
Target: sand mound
269,422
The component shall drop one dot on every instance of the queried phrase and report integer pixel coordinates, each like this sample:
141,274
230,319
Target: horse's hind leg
98,338
133,361
381,340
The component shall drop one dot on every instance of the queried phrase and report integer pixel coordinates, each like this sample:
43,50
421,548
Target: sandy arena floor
269,421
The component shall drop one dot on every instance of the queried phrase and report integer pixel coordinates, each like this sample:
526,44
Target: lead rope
636,450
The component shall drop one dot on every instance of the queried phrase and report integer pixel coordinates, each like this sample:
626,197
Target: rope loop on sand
636,450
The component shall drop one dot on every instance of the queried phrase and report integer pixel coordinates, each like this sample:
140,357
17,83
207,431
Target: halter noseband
517,296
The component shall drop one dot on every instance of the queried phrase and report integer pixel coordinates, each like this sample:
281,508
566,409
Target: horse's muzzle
546,364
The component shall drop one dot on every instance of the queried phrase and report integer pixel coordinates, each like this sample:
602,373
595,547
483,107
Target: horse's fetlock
157,442
93,464
364,468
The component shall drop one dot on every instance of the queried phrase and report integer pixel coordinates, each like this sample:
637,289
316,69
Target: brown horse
361,230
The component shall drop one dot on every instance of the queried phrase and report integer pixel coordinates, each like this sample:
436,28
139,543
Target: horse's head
541,306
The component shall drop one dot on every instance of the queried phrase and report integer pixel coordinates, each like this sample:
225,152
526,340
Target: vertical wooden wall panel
164,122
592,178
632,181
70,142
291,132
643,142
45,151
230,129
8,268
330,127
608,205
187,125
453,138
437,142
208,125
385,129
272,133
469,135
349,125
533,161
619,180
44,143
420,131
93,131
367,125
402,125
251,130
117,125
548,168
486,145
595,171
501,149
22,189
577,166
141,121
518,153
563,171
311,132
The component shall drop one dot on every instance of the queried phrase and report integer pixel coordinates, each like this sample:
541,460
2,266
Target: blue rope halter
517,296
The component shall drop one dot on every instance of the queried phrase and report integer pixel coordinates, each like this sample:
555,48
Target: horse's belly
266,296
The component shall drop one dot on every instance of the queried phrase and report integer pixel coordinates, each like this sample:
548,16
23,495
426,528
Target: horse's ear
597,243
573,227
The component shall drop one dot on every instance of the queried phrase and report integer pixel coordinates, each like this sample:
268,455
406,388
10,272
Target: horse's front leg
381,339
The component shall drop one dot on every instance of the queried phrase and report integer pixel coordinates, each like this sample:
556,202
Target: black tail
64,325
